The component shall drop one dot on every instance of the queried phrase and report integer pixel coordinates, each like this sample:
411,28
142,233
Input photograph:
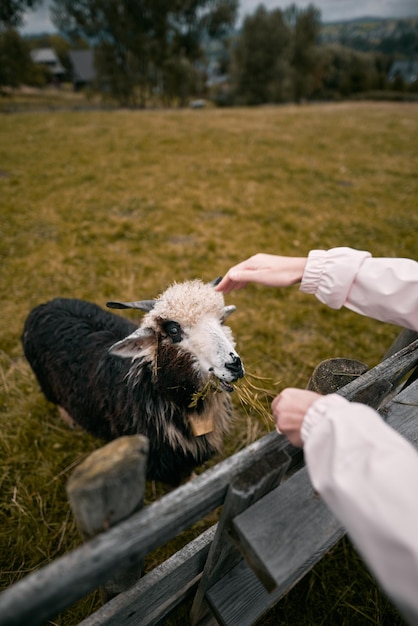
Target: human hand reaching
289,408
265,269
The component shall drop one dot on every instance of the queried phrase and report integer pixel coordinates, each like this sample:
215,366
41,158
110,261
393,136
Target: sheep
169,379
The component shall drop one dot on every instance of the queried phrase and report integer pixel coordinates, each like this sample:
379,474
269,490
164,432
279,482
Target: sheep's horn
215,281
228,310
143,305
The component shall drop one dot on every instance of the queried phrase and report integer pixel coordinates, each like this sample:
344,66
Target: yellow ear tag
201,425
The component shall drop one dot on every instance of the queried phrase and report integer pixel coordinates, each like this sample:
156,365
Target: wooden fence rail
229,556
45,593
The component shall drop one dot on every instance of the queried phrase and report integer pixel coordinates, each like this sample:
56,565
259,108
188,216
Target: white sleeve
385,289
367,473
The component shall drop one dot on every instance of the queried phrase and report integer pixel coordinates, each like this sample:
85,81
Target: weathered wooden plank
240,599
374,394
45,593
390,370
405,337
157,593
298,519
402,413
248,487
107,487
285,531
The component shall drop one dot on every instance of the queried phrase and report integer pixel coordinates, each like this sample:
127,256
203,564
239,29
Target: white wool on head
186,303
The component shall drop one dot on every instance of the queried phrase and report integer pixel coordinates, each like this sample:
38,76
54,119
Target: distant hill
397,36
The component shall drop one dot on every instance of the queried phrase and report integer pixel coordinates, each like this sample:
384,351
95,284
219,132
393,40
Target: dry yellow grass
117,205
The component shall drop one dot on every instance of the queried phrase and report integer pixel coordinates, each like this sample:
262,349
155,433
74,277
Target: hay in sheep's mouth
212,385
251,396
226,386
255,398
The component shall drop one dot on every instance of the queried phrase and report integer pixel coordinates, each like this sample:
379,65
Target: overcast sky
331,10
334,10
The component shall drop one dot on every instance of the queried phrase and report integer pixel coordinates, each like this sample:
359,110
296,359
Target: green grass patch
117,205
50,98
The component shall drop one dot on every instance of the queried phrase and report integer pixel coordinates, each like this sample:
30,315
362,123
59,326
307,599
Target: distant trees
345,72
274,56
261,61
153,51
278,57
306,28
12,11
15,61
405,42
391,37
144,47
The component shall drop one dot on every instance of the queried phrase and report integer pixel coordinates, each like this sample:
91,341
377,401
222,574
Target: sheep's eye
173,330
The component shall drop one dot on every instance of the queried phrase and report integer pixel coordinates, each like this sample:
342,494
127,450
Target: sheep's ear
215,281
143,305
134,343
228,310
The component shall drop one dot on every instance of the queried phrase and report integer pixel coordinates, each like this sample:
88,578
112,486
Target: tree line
148,50
278,57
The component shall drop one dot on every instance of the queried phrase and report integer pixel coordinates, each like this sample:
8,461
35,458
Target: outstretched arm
266,269
366,474
382,288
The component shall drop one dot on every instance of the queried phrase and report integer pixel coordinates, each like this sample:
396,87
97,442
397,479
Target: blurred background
145,143
223,52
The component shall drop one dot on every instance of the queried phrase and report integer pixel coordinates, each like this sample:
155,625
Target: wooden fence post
247,488
332,374
405,337
107,487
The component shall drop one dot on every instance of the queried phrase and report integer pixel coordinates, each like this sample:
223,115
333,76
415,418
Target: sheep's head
184,328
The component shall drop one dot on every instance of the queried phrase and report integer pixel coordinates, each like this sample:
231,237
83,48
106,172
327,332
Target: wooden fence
232,569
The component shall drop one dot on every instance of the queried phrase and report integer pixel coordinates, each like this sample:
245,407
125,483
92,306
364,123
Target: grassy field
50,99
117,205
